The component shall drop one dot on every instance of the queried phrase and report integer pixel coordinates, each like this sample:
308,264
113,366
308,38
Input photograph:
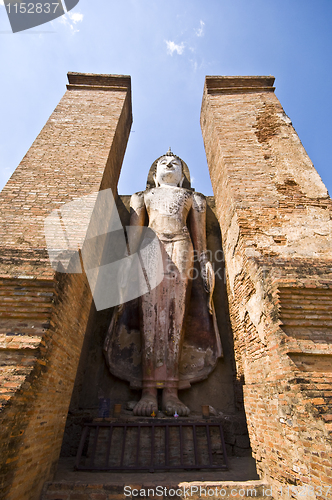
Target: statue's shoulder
199,201
137,200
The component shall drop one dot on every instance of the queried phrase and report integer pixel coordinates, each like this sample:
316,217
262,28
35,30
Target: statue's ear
182,180
155,181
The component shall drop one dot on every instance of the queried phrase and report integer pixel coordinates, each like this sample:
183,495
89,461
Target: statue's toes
170,410
154,409
185,411
180,411
148,409
144,410
145,407
137,410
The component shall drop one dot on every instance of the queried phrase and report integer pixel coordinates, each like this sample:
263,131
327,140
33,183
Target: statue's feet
172,405
146,405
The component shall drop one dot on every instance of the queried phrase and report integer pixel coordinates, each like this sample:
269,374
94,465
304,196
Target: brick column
44,314
275,216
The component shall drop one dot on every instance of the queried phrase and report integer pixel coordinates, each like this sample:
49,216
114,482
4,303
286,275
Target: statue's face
169,171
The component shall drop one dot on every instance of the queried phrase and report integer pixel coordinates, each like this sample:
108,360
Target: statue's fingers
211,276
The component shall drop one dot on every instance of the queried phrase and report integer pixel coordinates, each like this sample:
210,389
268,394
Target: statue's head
169,170
159,171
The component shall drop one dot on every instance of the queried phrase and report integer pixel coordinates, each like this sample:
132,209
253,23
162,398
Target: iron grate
151,446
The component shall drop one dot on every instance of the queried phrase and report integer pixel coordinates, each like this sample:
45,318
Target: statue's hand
208,276
123,281
123,273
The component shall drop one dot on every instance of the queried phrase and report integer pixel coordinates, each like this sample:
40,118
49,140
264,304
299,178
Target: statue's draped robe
201,345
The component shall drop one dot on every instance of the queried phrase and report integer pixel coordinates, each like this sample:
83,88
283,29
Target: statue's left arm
197,221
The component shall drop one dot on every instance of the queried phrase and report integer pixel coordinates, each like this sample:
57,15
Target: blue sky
168,47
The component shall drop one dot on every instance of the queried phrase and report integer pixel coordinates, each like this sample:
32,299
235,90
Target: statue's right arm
138,218
138,212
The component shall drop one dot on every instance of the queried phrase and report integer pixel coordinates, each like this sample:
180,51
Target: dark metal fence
150,446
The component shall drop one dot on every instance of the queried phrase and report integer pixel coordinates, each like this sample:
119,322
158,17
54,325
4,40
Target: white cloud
70,19
76,17
200,31
173,47
1,2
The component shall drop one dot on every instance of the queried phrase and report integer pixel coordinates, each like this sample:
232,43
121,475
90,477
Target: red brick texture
276,217
44,314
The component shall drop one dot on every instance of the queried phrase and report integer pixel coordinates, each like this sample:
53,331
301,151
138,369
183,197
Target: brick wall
275,217
44,314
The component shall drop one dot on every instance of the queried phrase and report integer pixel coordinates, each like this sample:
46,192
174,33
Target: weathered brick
78,152
275,218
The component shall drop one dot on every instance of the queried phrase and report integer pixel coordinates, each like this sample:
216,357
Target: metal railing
150,446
